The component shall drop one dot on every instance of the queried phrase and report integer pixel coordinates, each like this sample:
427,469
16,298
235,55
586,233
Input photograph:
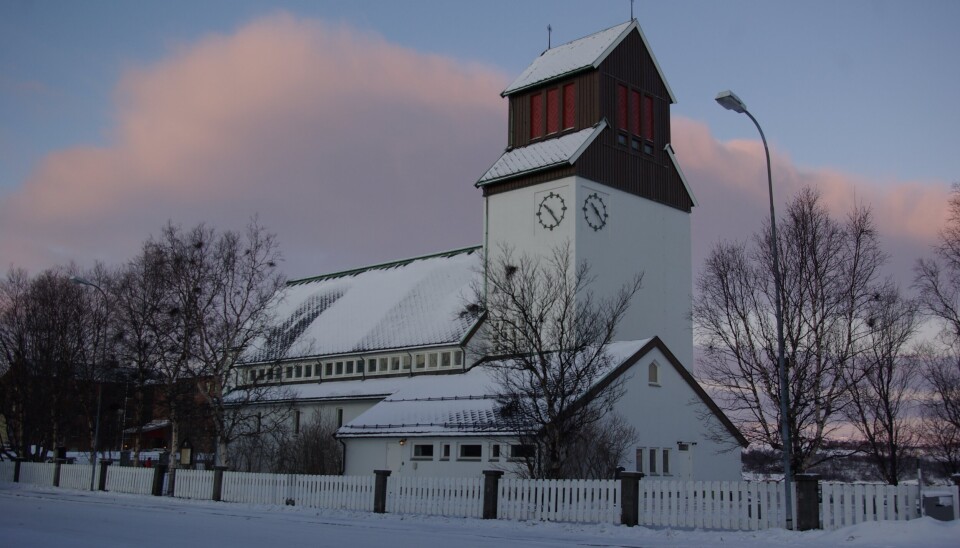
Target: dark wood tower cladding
626,88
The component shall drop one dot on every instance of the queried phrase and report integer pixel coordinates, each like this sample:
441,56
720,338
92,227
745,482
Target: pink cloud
349,147
730,181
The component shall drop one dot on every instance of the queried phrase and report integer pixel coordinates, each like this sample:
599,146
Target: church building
385,350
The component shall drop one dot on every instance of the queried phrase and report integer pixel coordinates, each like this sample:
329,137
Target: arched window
653,373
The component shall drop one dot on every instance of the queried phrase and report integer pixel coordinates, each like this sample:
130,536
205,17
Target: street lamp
96,429
730,101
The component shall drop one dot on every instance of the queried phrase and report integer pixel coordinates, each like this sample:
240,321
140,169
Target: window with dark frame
470,451
423,451
552,110
522,451
536,115
569,106
446,451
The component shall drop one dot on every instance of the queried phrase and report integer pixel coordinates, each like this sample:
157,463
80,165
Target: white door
684,458
394,456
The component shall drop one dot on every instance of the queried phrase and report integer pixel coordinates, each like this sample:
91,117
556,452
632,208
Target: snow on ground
43,516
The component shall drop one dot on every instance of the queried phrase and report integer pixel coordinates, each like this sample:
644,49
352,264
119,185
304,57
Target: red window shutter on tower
621,107
569,100
648,117
536,115
634,112
553,110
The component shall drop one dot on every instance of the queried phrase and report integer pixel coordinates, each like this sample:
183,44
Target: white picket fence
729,505
126,479
457,497
37,473
76,476
193,484
596,501
333,492
843,504
6,470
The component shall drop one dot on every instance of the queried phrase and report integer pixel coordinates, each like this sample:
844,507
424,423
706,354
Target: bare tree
552,333
830,273
882,383
600,448
938,280
313,449
222,285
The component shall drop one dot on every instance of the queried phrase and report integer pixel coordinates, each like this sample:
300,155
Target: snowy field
41,516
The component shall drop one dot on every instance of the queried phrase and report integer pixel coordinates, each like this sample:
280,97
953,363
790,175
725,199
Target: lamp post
730,101
96,429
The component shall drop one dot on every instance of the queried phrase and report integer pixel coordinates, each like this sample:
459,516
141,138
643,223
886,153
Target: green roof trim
384,266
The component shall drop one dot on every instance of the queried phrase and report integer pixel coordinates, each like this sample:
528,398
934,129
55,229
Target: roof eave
683,178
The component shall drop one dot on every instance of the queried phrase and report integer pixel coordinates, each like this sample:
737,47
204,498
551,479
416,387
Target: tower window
553,110
648,117
634,112
569,102
536,115
621,107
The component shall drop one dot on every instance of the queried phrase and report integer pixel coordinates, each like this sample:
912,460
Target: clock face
595,211
551,211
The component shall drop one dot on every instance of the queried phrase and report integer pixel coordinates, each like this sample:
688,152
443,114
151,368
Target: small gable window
653,374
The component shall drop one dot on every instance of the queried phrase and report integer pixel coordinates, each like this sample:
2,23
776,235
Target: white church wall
641,236
364,455
512,219
669,413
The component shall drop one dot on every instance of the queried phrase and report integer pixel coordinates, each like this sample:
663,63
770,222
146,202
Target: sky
356,130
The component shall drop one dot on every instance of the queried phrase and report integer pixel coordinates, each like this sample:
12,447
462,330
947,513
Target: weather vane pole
631,10
549,30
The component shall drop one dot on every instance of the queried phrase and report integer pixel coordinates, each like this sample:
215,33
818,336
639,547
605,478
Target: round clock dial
551,211
595,211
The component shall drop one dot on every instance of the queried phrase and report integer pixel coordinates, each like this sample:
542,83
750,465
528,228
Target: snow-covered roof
460,404
417,302
581,54
542,155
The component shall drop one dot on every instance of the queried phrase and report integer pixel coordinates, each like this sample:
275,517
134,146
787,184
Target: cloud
352,149
730,182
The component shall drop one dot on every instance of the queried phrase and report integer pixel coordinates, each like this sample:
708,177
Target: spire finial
631,10
549,31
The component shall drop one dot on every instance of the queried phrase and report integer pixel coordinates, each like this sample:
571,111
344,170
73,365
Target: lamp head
730,101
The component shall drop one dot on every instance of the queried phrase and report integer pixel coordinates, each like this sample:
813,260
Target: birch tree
830,274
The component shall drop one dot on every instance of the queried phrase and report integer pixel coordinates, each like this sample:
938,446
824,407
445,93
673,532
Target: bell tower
589,162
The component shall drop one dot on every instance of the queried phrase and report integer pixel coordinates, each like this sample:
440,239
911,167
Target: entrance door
685,460
394,456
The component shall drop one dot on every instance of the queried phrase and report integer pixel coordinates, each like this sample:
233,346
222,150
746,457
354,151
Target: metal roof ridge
388,264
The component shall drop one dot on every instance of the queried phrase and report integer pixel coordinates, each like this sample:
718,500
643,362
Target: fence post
16,469
158,472
56,472
491,490
104,463
218,483
630,498
808,501
380,491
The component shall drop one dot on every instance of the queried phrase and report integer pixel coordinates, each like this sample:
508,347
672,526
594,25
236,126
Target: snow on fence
39,473
457,497
730,505
126,479
75,476
596,501
193,484
334,492
843,504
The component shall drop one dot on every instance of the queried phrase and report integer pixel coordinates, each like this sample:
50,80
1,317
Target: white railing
193,484
75,476
457,497
596,501
843,504
334,492
37,473
126,479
